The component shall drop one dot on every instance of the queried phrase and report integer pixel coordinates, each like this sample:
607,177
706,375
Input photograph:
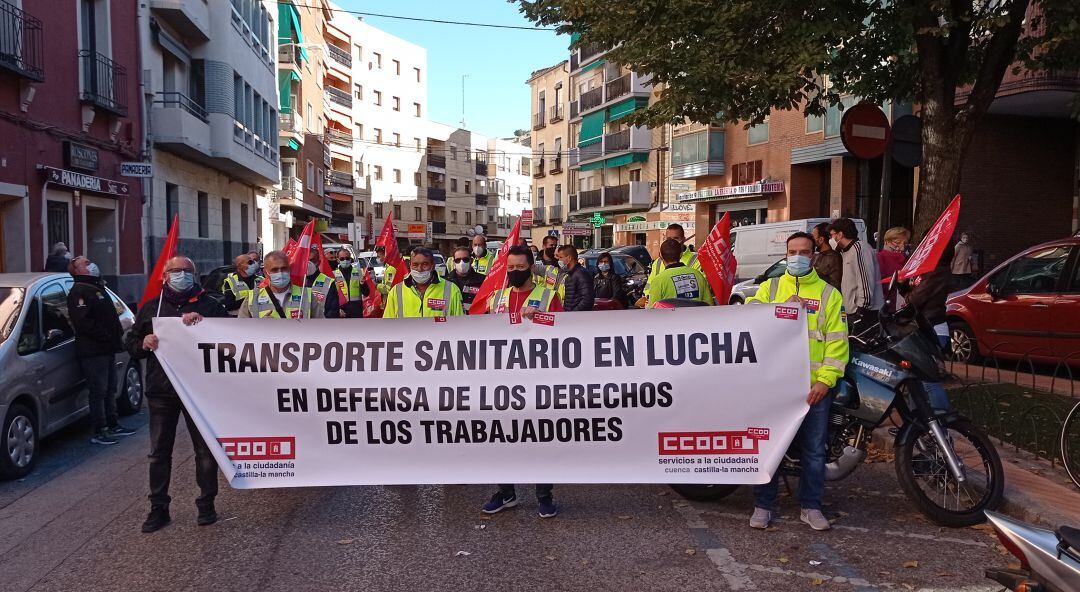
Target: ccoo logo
260,448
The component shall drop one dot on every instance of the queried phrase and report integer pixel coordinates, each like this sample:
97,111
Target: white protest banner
691,395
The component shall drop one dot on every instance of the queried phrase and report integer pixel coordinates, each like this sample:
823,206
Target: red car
1028,306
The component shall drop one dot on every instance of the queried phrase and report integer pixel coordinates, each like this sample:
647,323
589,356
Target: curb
1028,496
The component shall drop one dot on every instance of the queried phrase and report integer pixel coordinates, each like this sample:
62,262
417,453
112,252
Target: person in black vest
98,338
180,297
469,280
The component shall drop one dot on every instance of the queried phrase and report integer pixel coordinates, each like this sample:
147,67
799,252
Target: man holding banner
828,357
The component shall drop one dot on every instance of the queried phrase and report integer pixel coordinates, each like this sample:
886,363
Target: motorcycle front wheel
925,478
704,493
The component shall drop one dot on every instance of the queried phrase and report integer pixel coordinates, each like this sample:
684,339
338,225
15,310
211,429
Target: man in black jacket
470,280
180,297
578,282
98,338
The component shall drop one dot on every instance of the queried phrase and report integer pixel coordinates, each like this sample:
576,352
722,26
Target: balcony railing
593,98
539,172
538,121
618,87
636,194
556,113
336,95
481,167
340,179
288,54
590,199
438,228
436,160
554,214
481,199
617,141
587,52
176,100
339,55
290,123
21,43
556,166
104,82
617,195
291,185
538,216
339,138
436,194
341,220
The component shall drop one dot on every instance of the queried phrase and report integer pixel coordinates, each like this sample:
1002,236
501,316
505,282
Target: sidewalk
1013,373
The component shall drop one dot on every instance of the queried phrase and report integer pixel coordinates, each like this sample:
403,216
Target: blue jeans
811,439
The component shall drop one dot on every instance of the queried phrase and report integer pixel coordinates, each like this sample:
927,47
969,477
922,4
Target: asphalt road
74,525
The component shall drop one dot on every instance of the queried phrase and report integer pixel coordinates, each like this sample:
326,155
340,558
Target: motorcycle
946,466
1049,560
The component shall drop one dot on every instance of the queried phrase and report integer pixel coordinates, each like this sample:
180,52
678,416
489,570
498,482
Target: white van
758,246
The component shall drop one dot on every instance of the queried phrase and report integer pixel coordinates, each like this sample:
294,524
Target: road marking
834,559
732,571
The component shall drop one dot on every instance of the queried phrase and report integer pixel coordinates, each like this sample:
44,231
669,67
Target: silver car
43,389
741,291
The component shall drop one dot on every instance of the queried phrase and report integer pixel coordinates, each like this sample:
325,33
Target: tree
736,60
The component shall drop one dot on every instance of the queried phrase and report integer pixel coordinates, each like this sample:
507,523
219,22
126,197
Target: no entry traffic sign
865,130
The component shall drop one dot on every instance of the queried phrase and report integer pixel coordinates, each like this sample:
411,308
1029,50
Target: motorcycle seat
1070,536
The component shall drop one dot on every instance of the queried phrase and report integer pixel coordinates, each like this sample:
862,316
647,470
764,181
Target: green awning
592,128
574,38
625,159
289,29
285,79
595,64
294,144
591,166
626,107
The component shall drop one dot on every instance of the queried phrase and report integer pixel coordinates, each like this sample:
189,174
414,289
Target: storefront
747,204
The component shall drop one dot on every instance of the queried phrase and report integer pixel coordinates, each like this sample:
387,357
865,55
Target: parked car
638,252
43,389
214,279
757,246
741,291
1029,306
440,264
625,266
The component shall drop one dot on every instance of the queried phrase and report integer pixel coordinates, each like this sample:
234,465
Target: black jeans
542,491
164,414
101,381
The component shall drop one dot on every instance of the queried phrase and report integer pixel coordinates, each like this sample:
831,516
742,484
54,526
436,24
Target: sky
497,62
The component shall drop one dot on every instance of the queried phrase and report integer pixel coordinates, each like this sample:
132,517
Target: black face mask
549,252
518,277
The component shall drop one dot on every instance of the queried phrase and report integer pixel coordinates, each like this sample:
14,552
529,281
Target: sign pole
886,194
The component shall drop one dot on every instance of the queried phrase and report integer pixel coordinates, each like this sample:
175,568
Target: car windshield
619,264
11,300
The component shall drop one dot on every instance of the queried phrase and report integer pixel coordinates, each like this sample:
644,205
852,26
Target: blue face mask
798,265
181,281
280,279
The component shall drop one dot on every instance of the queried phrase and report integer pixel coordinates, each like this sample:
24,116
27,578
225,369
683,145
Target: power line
422,20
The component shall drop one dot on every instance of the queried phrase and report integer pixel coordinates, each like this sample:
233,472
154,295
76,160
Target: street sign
907,141
864,130
527,217
577,229
143,170
417,231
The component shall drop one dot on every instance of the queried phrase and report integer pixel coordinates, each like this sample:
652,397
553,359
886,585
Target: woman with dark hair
607,283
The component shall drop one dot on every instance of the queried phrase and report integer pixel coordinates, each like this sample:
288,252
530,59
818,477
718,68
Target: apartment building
69,95
212,134
510,188
308,188
551,148
454,173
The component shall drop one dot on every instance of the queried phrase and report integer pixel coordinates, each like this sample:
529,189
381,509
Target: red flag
496,276
300,255
717,260
373,304
324,263
392,257
928,253
168,251
290,247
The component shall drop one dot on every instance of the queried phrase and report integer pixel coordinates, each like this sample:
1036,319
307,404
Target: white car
757,246
743,290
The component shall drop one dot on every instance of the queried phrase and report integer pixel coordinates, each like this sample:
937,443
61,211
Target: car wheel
20,442
130,399
736,300
963,347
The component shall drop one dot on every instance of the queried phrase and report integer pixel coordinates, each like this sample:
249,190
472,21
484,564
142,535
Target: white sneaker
761,519
815,519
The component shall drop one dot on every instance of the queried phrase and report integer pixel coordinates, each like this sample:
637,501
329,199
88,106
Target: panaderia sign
85,182
732,191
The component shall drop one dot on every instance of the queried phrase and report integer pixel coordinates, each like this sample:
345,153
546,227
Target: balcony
180,125
636,195
556,113
538,121
618,87
631,139
556,166
698,154
340,181
291,188
191,19
341,56
339,138
436,194
341,220
481,200
481,168
104,83
21,43
438,228
340,97
539,172
554,214
288,57
290,127
592,99
436,160
538,216
614,89
585,55
178,100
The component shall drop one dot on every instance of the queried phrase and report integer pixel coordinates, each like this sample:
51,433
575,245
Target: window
558,194
453,184
540,197
814,123
204,215
378,60
358,92
397,140
397,212
359,52
397,70
834,114
226,220
397,175
172,203
359,208
244,224
468,188
419,146
453,152
417,70
310,117
359,131
759,133
416,109
378,172
309,182
468,218
417,214
379,210
635,175
1037,272
54,313
453,216
238,98
397,103
58,222
416,179
378,135
378,97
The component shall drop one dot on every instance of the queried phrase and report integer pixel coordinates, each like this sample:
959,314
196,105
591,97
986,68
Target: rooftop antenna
463,77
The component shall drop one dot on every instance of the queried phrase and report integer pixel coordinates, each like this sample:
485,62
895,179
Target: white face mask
421,277
833,243
280,279
311,267
462,267
92,269
478,251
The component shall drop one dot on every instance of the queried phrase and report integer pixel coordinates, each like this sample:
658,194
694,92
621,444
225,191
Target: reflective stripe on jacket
679,281
440,299
300,303
827,332
483,264
688,258
349,289
540,298
235,285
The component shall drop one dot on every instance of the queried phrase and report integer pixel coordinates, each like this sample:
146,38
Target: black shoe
499,503
119,431
207,516
102,438
157,519
547,508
